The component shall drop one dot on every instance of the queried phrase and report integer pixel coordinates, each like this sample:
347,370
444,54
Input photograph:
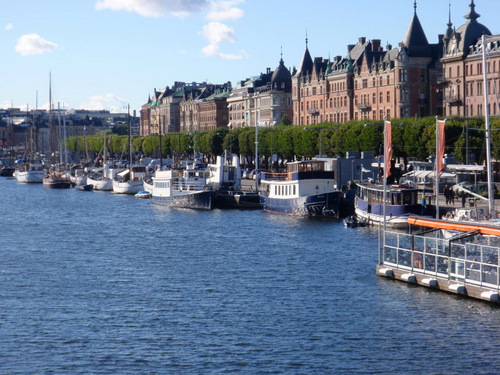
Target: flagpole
436,166
384,181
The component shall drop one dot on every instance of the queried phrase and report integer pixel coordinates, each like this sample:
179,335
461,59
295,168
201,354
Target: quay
454,257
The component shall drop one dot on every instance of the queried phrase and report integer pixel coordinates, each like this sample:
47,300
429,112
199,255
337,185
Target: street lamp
320,128
273,131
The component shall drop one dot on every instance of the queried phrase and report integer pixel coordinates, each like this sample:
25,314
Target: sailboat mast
129,137
491,197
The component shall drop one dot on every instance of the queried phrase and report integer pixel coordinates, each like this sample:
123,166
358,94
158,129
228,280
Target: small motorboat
353,221
88,187
143,194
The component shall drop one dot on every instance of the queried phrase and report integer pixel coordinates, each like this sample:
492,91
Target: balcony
313,111
453,101
364,107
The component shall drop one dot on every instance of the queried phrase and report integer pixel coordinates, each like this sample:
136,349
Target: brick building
370,82
463,77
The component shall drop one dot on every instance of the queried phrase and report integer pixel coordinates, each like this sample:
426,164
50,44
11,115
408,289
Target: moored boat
400,201
57,180
129,181
305,189
225,179
183,188
29,171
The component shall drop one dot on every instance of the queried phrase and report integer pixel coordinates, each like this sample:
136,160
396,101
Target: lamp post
320,128
273,131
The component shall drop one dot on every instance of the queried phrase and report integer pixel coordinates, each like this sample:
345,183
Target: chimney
376,45
362,40
350,47
388,47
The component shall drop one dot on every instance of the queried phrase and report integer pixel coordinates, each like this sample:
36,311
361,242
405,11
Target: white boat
225,179
401,201
78,176
305,189
143,194
129,181
29,171
102,178
183,188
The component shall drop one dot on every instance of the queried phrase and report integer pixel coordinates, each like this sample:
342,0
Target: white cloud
217,33
9,26
225,10
154,8
33,44
110,102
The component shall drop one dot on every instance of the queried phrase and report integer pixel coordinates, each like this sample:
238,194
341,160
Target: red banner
440,145
387,148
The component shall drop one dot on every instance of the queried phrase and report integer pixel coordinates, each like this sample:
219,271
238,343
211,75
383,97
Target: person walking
446,194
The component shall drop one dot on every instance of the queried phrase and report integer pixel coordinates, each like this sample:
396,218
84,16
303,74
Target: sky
108,54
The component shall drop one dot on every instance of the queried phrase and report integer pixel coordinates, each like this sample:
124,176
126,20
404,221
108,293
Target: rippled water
107,284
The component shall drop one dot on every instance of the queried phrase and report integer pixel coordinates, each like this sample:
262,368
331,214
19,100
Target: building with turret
463,70
370,82
262,100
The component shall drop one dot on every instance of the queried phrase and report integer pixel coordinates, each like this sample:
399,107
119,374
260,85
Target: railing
190,186
458,258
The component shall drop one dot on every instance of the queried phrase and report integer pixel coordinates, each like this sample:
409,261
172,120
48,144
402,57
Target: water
92,282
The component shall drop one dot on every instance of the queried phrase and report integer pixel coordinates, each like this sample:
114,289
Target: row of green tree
411,137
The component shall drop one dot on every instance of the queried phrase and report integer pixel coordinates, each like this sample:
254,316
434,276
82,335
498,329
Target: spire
472,16
415,38
306,64
449,30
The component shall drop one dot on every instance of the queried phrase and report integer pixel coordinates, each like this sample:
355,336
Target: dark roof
306,65
467,34
281,80
415,40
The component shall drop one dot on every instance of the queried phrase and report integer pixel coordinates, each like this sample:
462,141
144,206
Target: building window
374,99
403,75
388,96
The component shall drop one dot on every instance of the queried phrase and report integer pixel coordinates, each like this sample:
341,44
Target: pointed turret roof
306,65
415,40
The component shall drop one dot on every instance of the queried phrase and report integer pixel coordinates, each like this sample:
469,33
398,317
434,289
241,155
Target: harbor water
99,283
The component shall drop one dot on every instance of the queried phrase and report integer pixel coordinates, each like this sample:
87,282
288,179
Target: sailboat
102,177
58,177
129,181
8,169
29,169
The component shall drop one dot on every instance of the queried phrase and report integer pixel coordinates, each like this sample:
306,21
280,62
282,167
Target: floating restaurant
460,258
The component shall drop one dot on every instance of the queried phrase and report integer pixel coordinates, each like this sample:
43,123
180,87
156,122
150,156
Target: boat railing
190,186
470,261
275,176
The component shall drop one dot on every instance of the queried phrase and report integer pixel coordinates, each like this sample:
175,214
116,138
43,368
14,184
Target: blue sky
105,54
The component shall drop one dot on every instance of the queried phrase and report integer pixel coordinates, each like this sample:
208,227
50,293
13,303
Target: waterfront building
262,100
370,83
463,67
213,111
